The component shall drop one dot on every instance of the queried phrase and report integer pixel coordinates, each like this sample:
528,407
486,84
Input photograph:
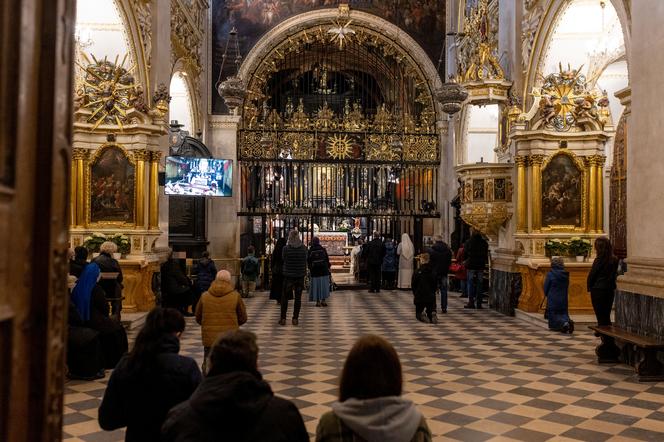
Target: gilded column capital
79,153
598,160
536,160
141,155
521,160
155,156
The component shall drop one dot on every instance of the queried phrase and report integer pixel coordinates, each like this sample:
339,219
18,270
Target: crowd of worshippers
160,395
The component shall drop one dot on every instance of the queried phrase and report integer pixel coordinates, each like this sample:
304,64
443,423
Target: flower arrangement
122,241
94,241
572,247
579,247
344,226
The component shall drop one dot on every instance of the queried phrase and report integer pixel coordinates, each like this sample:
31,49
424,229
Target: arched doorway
338,132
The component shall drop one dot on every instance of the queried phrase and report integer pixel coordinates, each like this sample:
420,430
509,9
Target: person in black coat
112,287
441,258
176,288
80,260
90,301
205,272
423,285
601,281
294,270
233,402
150,380
375,253
277,265
476,252
85,358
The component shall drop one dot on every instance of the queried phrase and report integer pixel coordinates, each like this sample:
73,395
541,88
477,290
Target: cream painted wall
645,165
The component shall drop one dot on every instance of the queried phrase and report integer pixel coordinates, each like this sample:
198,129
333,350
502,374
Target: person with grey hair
234,402
294,270
556,287
112,287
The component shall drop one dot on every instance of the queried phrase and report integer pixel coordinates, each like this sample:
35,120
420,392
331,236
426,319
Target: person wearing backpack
389,267
250,269
319,268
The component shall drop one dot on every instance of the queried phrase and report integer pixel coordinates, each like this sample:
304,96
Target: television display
189,176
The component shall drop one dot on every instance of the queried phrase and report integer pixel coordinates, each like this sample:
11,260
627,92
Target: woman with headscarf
406,252
90,302
319,268
79,262
277,265
601,281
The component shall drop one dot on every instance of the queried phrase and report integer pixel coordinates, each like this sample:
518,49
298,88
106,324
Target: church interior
172,135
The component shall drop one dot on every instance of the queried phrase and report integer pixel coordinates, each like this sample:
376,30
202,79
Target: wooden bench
645,348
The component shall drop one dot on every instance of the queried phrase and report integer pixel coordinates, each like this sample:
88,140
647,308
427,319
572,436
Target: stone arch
136,16
307,20
552,12
184,68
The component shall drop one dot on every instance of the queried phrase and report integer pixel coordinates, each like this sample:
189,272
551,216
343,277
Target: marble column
223,223
640,298
536,190
160,73
522,203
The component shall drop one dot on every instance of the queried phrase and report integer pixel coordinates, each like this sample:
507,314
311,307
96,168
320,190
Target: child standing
250,269
556,285
424,291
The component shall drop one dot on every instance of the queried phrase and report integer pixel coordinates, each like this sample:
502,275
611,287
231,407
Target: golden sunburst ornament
339,147
109,91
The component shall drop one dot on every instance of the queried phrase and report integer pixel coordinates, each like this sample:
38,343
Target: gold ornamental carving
565,102
420,148
339,147
383,148
478,60
108,90
297,145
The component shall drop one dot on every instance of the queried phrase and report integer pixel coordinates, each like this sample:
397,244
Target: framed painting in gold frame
564,191
111,187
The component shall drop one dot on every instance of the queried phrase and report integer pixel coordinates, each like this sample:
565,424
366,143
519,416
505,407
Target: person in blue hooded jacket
556,286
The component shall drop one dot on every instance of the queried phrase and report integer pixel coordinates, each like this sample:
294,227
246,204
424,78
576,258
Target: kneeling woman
90,301
370,405
556,287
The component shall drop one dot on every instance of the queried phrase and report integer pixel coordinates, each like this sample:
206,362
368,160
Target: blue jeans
474,284
442,286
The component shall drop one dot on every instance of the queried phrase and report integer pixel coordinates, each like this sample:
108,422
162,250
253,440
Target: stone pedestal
506,282
533,272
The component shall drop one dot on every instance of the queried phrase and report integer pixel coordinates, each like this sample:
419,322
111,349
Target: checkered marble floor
477,375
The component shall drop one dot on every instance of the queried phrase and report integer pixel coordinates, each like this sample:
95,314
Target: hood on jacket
220,288
439,246
236,398
204,262
559,274
384,419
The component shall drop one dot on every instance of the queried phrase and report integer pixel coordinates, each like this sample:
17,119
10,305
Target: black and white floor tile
477,375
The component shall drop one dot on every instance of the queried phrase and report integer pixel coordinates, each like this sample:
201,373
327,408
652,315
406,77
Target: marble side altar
533,272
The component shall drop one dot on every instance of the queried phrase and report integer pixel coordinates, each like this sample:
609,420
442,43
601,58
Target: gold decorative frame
88,190
578,162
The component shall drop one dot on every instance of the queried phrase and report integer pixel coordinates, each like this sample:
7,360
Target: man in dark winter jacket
294,270
375,253
233,402
441,258
205,272
176,288
476,251
423,284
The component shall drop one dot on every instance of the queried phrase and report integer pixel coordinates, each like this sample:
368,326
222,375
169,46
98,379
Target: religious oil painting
478,190
561,193
112,187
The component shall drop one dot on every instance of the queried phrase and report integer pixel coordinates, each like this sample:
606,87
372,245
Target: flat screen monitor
189,176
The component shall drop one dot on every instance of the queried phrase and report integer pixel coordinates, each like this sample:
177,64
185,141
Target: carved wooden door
618,191
36,47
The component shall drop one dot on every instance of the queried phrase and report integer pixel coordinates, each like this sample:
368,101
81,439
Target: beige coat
219,310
